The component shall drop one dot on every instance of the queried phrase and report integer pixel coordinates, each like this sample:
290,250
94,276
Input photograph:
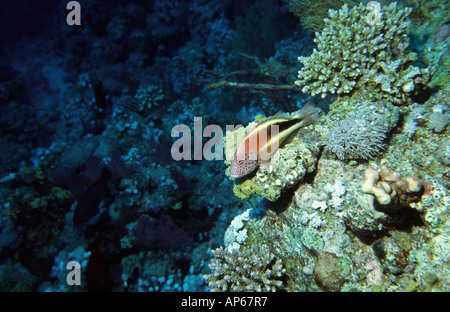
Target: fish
261,143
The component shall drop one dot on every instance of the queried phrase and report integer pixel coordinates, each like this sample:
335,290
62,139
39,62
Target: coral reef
353,222
359,201
35,207
319,253
15,278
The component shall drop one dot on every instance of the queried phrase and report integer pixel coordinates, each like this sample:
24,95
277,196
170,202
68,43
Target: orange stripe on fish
261,143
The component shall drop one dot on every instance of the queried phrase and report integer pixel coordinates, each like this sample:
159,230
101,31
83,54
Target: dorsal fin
280,115
309,113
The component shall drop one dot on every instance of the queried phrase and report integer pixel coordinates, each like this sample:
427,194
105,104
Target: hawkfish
262,142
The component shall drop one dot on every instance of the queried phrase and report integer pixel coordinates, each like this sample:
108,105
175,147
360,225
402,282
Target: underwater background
92,199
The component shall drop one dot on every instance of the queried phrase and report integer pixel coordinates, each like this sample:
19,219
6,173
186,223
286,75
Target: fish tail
309,114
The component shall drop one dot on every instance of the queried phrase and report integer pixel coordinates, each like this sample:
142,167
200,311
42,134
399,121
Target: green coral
15,278
148,97
311,13
127,241
386,111
356,53
441,77
36,198
425,152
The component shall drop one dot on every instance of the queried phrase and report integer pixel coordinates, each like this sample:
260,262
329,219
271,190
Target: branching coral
249,270
356,52
236,233
148,97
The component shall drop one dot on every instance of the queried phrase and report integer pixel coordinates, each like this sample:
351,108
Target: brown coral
330,271
390,188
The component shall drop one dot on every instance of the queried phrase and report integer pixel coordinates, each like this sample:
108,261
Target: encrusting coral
331,271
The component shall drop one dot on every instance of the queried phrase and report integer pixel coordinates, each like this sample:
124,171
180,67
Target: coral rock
331,271
391,188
